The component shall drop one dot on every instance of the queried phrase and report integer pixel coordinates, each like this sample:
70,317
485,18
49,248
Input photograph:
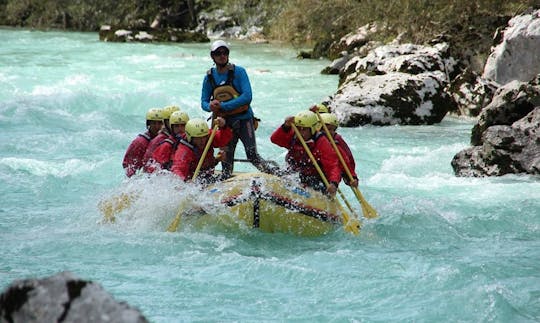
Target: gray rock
395,84
471,92
389,99
504,150
516,57
510,103
63,298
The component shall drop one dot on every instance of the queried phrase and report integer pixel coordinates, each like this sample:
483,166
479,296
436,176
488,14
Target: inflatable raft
271,204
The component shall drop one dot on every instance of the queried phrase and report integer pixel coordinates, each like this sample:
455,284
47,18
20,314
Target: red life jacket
133,158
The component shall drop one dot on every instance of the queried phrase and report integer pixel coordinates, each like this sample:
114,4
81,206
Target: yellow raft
271,204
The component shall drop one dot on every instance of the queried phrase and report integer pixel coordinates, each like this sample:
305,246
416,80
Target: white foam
62,168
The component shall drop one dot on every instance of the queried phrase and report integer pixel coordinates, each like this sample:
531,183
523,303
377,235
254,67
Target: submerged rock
63,298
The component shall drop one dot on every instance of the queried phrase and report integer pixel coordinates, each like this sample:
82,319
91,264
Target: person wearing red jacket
133,158
297,158
165,132
190,149
331,122
163,154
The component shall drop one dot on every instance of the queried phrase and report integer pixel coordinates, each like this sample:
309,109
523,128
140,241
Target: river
443,249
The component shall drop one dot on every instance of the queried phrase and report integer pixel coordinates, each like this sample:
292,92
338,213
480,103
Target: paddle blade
175,223
173,227
353,226
116,204
368,211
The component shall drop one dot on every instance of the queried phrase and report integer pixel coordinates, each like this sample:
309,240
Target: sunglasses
220,53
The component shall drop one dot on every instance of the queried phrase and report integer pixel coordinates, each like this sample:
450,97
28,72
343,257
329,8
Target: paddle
367,210
346,201
351,225
174,224
115,205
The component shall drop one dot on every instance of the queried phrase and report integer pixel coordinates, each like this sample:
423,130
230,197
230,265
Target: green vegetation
315,23
418,20
83,15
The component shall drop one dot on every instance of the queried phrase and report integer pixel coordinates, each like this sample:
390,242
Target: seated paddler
298,159
190,150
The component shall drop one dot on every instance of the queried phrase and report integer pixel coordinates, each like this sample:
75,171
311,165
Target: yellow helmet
307,119
178,117
322,108
154,114
168,110
330,118
196,128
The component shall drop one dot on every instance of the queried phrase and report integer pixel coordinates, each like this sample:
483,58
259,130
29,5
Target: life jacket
298,158
226,92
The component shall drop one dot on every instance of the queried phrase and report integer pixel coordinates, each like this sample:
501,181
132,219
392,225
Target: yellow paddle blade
173,227
175,223
351,225
116,204
368,211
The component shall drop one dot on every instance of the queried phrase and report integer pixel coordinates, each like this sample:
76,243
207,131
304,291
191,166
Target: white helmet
217,44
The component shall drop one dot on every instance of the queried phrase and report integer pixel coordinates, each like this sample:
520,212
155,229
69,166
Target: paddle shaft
205,151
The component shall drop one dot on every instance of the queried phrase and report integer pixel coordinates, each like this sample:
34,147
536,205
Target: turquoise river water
443,249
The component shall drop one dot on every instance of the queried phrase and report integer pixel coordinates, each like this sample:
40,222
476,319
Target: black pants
245,131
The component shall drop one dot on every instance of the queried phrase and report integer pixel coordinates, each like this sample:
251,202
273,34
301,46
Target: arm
134,156
283,135
206,94
182,160
329,160
222,137
162,154
347,154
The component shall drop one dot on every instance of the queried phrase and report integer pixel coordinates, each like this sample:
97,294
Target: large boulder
395,84
471,92
516,57
505,150
506,138
63,298
510,103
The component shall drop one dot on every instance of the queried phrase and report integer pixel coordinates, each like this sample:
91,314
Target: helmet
168,110
196,128
330,118
307,119
178,117
217,44
154,114
322,108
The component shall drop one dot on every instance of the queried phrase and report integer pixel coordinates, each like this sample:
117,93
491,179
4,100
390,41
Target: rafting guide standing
226,92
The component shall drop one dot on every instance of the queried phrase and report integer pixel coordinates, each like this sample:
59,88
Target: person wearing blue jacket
226,92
